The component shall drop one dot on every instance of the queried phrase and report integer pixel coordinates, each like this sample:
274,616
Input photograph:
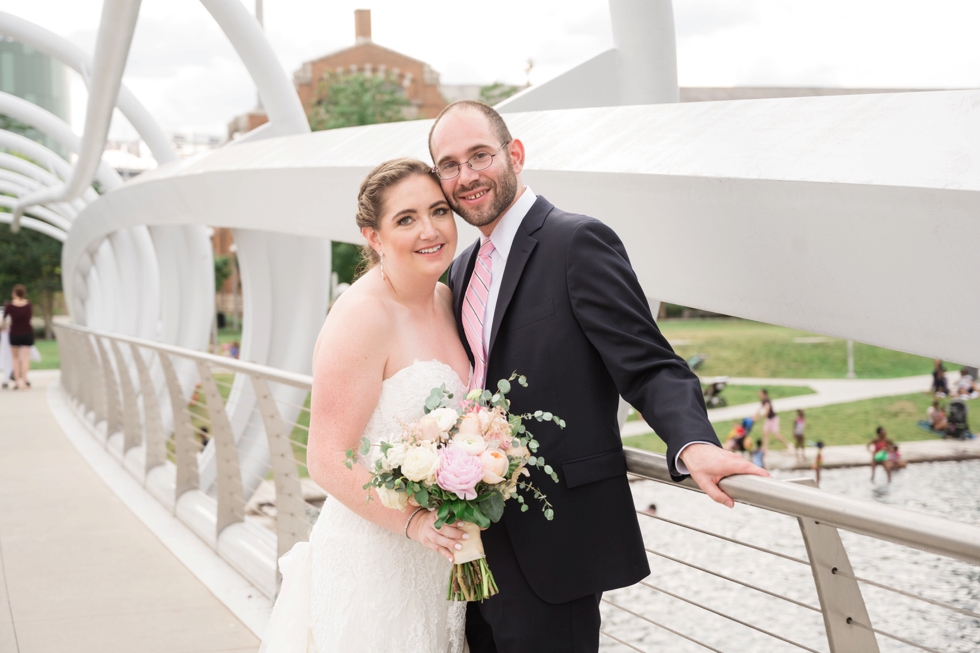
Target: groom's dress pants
517,621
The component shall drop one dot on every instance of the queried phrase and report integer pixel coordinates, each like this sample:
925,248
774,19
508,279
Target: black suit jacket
572,317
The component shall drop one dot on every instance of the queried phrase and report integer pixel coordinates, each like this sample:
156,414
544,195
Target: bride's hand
444,541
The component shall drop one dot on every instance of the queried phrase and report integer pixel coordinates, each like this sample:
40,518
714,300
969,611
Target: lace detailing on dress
372,589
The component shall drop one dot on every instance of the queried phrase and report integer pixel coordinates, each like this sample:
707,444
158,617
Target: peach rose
428,429
470,425
495,465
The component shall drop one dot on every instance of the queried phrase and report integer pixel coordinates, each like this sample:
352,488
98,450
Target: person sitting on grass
965,388
879,451
939,422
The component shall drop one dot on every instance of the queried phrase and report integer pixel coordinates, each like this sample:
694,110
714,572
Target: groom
552,295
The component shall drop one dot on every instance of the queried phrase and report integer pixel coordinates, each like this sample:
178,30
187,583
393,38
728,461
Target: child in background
759,455
818,461
799,443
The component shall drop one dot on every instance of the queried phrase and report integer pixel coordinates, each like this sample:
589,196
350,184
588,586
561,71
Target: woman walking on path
771,424
19,311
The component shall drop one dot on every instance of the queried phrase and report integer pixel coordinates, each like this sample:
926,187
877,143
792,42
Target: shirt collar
503,234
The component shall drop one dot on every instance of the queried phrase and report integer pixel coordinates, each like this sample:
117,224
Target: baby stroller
712,393
958,427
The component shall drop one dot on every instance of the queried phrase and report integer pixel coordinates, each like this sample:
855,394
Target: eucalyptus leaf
503,385
365,446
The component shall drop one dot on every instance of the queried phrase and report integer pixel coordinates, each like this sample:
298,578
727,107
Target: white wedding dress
357,587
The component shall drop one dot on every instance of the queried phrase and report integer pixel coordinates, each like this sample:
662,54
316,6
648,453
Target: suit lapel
466,261
520,252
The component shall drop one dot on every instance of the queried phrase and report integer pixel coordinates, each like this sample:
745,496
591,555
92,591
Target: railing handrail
302,381
899,525
918,530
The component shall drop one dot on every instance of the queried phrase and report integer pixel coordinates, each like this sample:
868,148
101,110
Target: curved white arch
186,296
38,226
712,176
40,213
18,190
48,123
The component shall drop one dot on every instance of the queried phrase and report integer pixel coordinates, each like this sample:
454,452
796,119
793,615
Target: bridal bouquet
464,463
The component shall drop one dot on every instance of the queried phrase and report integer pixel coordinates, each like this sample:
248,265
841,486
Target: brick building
419,81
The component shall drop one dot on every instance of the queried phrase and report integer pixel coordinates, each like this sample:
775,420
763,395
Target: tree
357,99
222,270
34,260
497,92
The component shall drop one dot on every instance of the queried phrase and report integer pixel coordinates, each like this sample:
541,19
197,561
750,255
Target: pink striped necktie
475,312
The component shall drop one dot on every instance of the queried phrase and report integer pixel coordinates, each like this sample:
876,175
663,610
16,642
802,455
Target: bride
372,578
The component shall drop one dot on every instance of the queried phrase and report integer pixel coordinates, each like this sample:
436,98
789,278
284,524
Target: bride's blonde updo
372,196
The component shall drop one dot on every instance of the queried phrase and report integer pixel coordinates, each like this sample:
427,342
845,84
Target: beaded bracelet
410,518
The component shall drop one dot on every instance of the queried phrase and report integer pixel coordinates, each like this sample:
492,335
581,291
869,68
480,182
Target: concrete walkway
79,572
826,393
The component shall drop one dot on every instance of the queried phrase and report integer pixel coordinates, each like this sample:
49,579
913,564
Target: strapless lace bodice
372,589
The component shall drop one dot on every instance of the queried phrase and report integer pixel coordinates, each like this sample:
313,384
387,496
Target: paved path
79,572
826,393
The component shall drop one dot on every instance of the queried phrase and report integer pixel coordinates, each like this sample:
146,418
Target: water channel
950,489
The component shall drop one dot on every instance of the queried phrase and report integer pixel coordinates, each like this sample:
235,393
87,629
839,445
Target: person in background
759,455
799,442
234,349
771,424
818,461
894,460
937,417
19,311
879,452
940,387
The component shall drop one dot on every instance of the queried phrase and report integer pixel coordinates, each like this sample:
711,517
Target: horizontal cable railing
223,443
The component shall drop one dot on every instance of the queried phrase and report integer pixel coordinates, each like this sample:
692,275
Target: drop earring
382,266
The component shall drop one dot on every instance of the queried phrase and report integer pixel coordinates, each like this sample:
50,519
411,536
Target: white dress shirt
502,238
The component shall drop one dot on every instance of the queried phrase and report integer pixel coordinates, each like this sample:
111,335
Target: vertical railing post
840,596
153,439
113,412
185,446
231,499
96,385
292,525
131,427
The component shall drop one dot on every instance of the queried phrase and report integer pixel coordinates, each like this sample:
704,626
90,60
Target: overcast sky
185,72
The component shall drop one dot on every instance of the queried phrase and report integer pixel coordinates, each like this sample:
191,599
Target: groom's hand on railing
445,541
709,464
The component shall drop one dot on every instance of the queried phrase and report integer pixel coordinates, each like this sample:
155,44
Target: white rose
474,445
392,498
421,463
445,417
394,457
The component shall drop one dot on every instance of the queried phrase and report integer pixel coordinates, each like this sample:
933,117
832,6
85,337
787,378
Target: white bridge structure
852,203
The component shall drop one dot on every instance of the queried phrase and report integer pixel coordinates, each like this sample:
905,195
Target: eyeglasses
479,161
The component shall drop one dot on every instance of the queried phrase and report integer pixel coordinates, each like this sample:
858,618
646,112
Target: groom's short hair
497,124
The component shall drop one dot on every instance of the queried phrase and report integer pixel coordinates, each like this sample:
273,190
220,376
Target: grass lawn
50,358
851,423
737,347
748,394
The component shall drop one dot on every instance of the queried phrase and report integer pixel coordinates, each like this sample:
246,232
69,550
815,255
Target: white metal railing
158,407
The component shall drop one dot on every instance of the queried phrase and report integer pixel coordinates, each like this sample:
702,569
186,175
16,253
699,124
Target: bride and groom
545,292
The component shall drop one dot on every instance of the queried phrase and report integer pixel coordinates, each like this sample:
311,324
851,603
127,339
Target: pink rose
459,472
495,465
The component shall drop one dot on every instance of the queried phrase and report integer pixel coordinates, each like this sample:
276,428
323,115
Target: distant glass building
37,78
